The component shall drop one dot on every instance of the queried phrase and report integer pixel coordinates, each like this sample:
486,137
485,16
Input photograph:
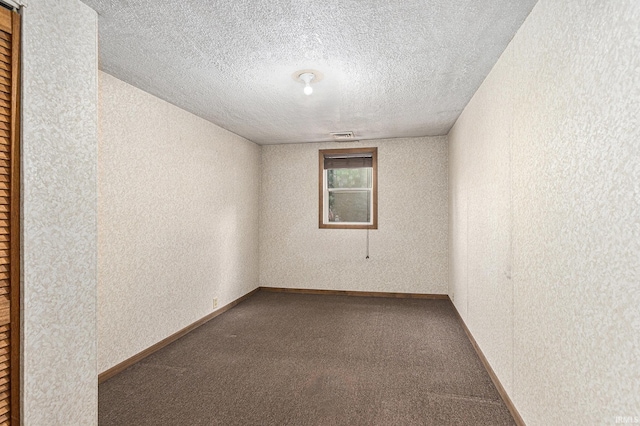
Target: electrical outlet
215,302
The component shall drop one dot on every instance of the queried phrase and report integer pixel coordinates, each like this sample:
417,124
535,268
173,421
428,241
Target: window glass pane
350,206
349,178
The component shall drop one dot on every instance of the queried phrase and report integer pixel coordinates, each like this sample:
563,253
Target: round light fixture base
318,75
307,77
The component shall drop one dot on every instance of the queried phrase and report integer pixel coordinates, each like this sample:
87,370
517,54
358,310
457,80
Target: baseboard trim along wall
355,293
503,393
107,374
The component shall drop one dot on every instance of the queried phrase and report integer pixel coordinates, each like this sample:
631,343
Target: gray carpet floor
298,359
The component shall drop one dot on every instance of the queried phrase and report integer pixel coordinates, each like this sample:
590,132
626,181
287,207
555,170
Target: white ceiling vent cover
342,136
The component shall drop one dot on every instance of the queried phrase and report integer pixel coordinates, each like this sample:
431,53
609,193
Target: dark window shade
347,162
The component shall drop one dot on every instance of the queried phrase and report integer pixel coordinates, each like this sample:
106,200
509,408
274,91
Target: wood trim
107,374
321,154
355,293
363,150
321,189
15,224
375,189
494,378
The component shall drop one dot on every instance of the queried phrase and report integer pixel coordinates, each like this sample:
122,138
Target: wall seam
511,227
466,252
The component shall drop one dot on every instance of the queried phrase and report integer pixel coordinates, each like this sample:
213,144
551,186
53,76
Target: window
349,188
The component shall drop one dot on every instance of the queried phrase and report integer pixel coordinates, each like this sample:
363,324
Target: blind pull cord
367,243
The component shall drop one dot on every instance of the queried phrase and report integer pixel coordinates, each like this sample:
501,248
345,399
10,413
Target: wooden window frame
373,151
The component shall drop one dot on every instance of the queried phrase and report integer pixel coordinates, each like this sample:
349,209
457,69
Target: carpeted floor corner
298,359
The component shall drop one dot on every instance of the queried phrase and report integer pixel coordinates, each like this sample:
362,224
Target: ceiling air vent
342,136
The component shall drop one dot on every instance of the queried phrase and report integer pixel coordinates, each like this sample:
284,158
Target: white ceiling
391,68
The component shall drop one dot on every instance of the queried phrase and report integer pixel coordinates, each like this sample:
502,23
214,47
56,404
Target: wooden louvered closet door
9,218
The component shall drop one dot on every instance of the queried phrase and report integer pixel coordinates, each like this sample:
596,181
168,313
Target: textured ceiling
391,68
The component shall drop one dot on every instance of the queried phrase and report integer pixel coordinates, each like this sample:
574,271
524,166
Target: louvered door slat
5,316
9,218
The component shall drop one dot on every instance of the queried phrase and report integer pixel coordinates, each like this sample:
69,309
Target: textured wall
544,202
59,121
408,251
178,219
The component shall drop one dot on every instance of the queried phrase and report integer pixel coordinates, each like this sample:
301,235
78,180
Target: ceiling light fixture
307,76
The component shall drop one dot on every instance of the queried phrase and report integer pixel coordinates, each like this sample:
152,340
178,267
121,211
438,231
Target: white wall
408,251
178,219
59,144
544,214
